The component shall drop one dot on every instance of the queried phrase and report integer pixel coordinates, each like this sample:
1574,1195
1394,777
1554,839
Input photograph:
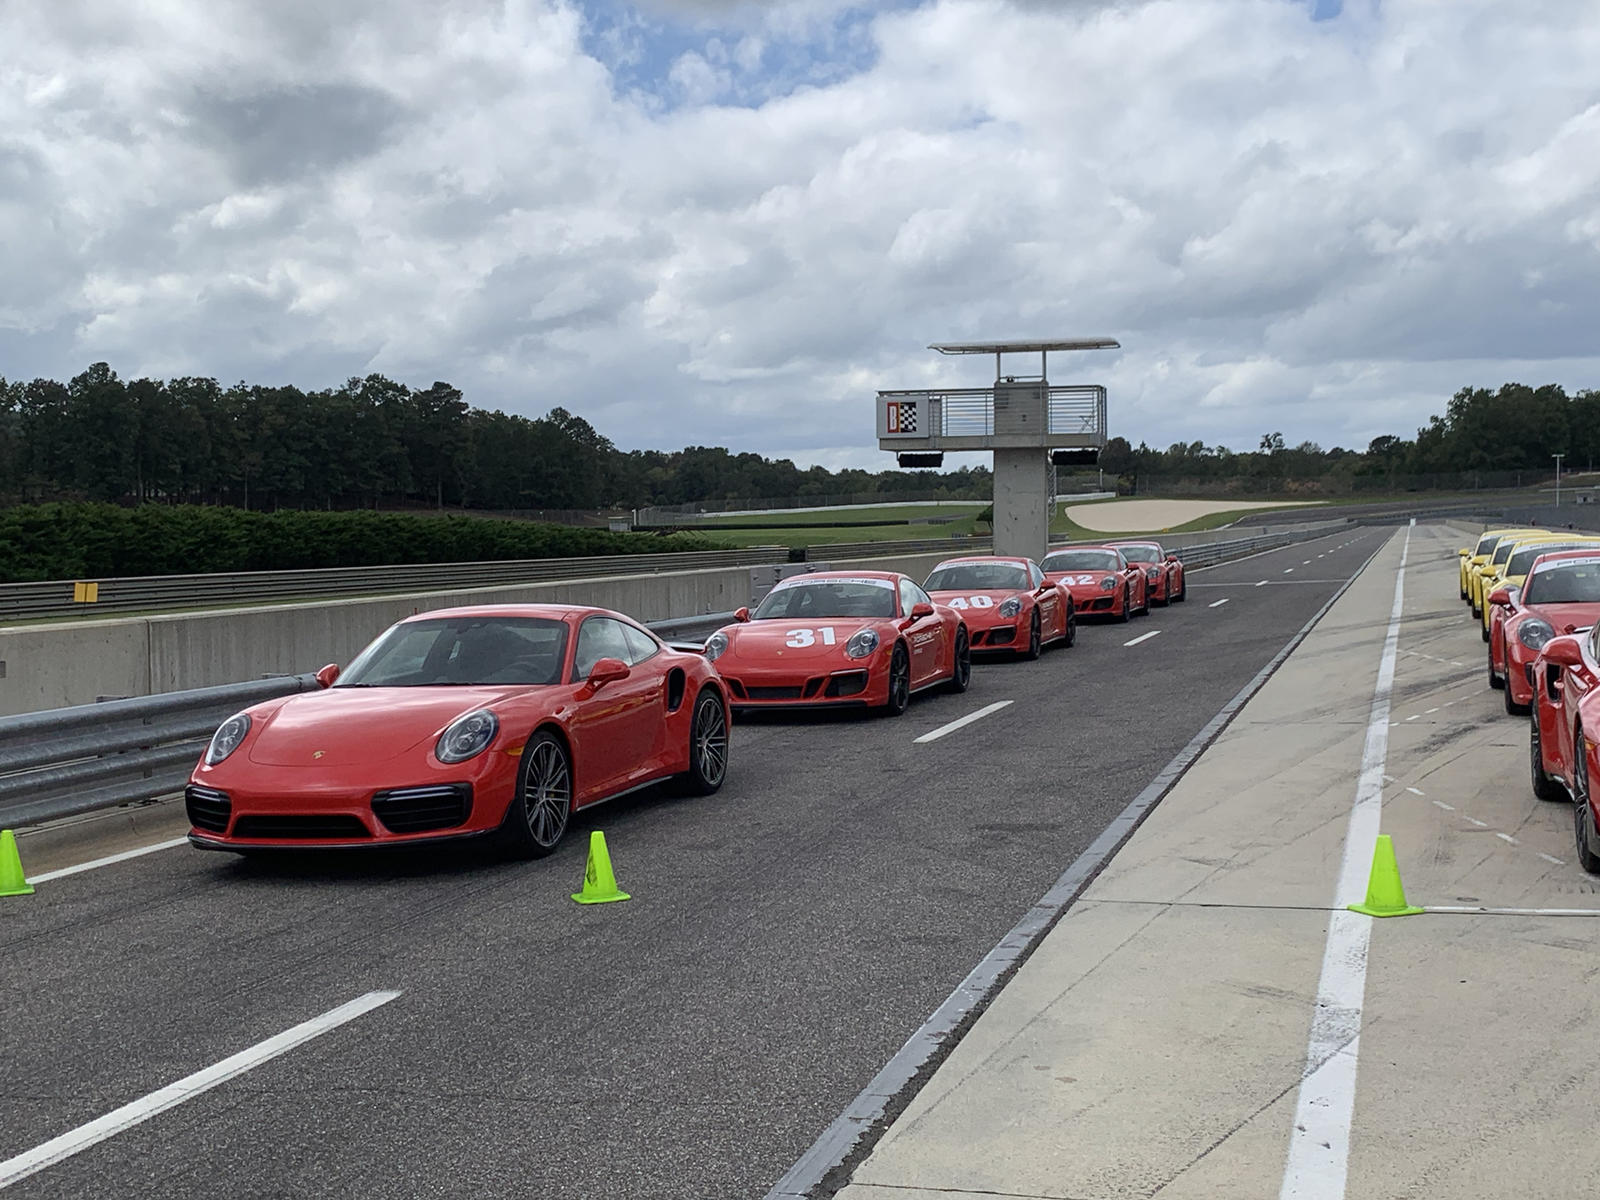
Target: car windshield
978,577
1566,583
459,651
1503,552
1141,554
1522,559
1083,560
829,598
1486,543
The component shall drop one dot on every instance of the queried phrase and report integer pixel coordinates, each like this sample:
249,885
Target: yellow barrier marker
86,593
1385,896
12,881
599,883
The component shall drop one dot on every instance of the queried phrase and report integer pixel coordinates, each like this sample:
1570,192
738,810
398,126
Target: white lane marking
1319,1142
1475,821
1413,718
1388,778
1307,563
1551,858
1288,570
1263,583
1431,711
1218,603
1506,837
1143,637
1443,805
1414,791
187,1088
960,722
1517,912
63,872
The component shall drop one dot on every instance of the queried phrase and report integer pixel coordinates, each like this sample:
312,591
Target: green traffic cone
1385,896
12,880
599,882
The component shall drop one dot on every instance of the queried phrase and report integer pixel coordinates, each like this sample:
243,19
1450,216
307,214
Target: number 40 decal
798,638
972,602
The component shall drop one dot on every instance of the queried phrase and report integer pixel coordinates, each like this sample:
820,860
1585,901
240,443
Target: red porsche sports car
1162,571
496,721
1561,750
1100,580
1560,594
1007,603
842,638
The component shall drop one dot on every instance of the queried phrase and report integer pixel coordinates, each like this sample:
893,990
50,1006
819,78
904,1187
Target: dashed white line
67,1144
1431,711
1414,791
960,722
1219,603
1506,837
1263,583
63,872
1475,821
1288,570
1443,805
1413,716
1551,858
1143,637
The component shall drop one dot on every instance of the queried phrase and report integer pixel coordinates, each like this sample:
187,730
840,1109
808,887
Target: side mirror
608,670
328,674
920,610
741,615
1501,596
1564,652
1171,557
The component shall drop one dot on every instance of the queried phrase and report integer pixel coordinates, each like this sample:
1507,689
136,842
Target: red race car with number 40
835,639
495,722
1007,603
1562,733
1162,571
1100,581
1560,593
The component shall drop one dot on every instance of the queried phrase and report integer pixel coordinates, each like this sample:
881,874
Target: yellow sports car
1512,571
1472,561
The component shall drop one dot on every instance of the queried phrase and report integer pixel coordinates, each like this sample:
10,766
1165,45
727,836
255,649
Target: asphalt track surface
785,937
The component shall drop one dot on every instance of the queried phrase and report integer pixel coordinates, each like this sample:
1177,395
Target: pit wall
64,663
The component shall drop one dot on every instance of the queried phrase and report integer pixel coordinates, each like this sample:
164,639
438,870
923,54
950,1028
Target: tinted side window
600,637
908,596
640,645
1035,573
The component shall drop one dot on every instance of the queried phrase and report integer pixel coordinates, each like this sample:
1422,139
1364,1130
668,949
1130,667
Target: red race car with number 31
834,639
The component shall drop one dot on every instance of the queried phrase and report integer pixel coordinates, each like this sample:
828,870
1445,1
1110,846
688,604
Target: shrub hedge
97,541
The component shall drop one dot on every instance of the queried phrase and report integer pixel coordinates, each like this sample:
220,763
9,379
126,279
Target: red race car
1163,572
842,639
468,722
1100,580
1560,594
1561,754
1007,603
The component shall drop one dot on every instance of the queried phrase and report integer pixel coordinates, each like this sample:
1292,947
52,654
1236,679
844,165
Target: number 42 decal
797,639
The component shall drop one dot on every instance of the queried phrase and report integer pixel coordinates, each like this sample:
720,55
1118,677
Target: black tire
899,682
1166,599
1483,631
1586,836
1145,611
961,673
708,746
1127,605
1070,638
1035,645
1544,787
1512,707
539,815
1494,680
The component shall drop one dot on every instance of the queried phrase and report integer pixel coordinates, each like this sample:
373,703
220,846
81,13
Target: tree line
370,442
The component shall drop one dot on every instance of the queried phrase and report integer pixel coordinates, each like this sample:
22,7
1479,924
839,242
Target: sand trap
1151,516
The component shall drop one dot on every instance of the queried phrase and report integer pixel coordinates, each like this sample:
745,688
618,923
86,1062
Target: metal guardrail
173,592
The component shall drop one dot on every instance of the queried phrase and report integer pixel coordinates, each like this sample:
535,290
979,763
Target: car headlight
862,643
1152,572
1011,607
1108,584
467,736
227,738
716,646
1534,633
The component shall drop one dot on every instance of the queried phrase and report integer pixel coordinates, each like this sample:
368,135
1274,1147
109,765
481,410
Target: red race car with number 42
834,639
1100,580
1008,603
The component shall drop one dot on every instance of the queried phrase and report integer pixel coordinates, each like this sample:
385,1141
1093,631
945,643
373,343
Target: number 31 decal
799,638
972,602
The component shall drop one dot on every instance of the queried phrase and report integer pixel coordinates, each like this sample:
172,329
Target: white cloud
1324,228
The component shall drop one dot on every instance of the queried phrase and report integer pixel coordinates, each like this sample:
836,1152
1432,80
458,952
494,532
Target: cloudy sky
703,221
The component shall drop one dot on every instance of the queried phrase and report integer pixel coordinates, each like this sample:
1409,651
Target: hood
1579,616
979,599
1080,578
777,638
361,725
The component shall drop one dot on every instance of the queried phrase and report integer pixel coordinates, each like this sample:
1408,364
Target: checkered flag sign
902,416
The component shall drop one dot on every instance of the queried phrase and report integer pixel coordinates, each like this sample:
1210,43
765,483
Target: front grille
736,688
813,686
208,808
1000,637
773,693
1100,602
852,684
418,809
301,825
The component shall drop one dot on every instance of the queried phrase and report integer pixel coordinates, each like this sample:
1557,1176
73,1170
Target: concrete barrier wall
66,663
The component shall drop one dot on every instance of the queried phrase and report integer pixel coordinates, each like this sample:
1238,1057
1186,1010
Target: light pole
1558,458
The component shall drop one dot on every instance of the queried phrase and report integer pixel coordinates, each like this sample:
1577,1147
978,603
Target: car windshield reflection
463,652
